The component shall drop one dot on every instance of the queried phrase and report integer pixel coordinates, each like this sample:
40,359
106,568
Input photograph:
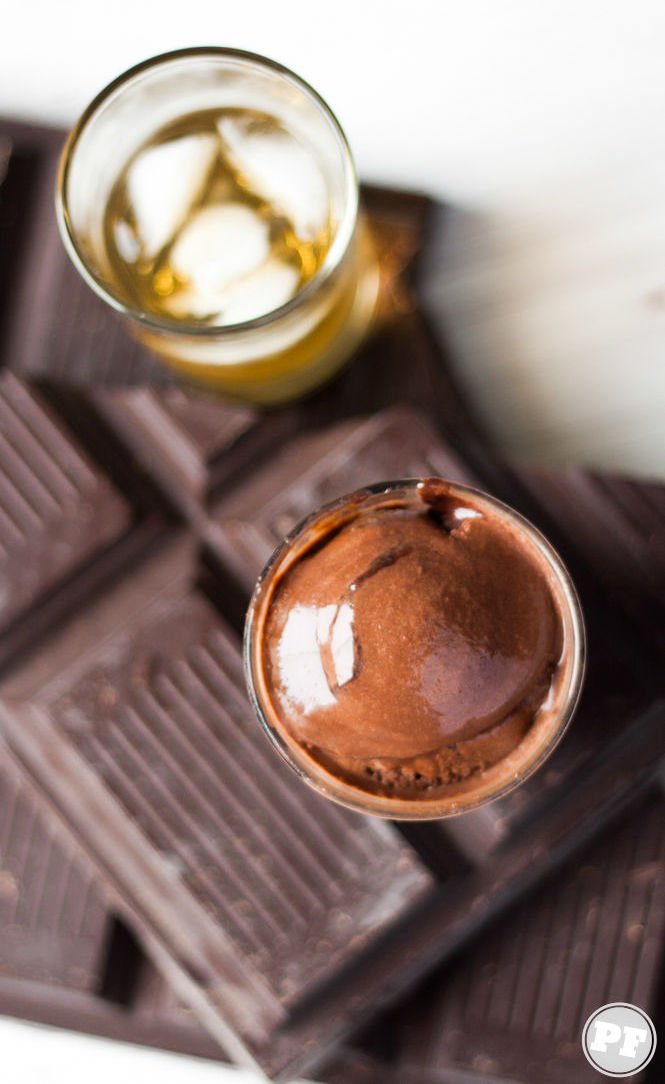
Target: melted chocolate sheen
415,647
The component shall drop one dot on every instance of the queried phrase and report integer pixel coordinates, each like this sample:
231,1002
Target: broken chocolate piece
259,894
57,510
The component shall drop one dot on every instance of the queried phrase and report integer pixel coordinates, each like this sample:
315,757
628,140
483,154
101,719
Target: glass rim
354,797
334,255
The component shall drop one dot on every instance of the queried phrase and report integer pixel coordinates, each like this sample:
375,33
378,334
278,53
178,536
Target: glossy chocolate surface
413,647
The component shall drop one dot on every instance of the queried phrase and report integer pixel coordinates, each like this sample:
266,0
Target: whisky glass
271,340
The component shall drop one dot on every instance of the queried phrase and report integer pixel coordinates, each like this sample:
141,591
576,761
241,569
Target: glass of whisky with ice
209,195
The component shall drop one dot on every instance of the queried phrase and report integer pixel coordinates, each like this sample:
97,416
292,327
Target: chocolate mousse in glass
415,649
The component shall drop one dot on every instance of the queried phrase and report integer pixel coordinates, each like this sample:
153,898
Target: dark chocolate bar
513,1006
66,957
123,700
260,892
56,509
115,722
58,512
51,916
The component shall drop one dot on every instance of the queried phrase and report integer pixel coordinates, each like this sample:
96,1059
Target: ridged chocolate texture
61,958
264,890
190,442
59,330
316,468
52,917
514,1006
185,439
57,510
618,524
65,959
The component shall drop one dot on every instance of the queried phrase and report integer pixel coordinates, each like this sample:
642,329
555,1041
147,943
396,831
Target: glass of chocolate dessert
415,649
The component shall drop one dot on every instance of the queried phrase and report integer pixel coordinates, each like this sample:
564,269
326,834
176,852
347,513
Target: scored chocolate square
57,509
316,467
256,892
513,1007
52,919
66,957
190,442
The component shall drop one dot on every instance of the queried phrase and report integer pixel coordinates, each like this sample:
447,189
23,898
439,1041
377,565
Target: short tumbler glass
275,355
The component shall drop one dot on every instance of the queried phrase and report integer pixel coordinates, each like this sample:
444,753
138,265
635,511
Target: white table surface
540,124
37,1055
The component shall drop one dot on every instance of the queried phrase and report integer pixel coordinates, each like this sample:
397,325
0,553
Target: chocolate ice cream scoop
411,646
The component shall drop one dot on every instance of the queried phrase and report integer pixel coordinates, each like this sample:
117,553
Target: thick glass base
318,343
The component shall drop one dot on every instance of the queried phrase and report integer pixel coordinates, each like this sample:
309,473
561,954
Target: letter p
605,1033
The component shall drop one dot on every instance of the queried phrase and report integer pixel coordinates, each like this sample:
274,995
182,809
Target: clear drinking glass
494,782
265,355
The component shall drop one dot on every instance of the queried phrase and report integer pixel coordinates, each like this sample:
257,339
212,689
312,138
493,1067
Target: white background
542,124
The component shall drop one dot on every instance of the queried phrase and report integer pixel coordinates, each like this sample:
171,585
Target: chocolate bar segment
57,510
52,919
316,467
262,891
513,1006
188,441
618,524
66,958
125,787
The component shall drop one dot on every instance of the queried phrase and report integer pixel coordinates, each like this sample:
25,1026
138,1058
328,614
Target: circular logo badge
619,1039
